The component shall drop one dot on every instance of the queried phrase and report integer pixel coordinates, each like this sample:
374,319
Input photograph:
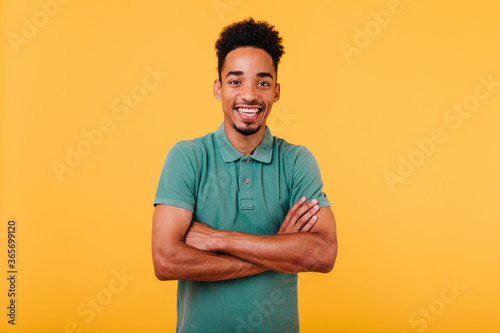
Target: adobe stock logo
421,318
223,6
454,116
253,321
262,309
93,305
122,107
279,119
40,19
364,36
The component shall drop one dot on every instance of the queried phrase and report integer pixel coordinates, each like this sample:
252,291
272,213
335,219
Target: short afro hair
246,33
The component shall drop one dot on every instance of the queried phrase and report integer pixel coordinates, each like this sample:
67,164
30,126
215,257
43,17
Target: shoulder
193,148
291,152
297,161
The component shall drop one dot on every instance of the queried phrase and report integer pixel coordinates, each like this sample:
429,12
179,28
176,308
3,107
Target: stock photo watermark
279,119
266,307
263,309
427,314
454,117
89,309
31,25
122,107
12,265
223,6
364,35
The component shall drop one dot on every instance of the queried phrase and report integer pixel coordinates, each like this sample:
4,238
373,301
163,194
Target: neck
245,144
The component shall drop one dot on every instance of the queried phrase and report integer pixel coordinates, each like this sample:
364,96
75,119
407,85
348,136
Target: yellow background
360,114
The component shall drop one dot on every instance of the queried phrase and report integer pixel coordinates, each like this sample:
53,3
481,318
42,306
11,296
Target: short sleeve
176,186
306,179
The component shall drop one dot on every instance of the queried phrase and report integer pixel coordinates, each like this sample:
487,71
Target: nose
248,93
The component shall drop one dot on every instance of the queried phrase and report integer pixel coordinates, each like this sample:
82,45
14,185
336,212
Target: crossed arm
184,249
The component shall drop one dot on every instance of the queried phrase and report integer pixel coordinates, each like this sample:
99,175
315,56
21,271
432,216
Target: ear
277,93
217,90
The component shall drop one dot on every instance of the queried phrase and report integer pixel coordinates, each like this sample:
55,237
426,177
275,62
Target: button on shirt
231,191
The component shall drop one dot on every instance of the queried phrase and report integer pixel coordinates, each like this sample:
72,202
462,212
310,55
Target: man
238,212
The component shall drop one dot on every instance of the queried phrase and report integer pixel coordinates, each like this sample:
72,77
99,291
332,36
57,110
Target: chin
247,130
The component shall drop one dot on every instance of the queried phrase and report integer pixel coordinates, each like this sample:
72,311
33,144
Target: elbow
161,275
161,271
163,268
328,263
322,259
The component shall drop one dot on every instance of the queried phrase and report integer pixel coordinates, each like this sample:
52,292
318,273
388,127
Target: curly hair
260,34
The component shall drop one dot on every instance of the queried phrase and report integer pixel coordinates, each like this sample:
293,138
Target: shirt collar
263,153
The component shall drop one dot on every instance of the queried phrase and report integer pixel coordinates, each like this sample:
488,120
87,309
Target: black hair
246,33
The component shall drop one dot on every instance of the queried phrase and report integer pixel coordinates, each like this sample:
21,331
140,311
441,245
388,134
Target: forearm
314,250
183,262
289,253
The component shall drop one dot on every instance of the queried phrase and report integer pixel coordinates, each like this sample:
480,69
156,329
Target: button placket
246,188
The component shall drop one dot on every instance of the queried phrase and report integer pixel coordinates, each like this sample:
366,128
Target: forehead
248,60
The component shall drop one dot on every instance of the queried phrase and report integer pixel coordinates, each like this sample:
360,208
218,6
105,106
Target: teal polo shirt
248,193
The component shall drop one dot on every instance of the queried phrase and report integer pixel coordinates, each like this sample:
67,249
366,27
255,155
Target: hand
301,217
201,236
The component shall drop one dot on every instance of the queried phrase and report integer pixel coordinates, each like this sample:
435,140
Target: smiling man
239,212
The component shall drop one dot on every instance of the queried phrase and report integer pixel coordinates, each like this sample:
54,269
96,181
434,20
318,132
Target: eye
234,82
264,84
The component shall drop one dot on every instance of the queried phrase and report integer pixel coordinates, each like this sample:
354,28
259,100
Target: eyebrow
239,73
264,74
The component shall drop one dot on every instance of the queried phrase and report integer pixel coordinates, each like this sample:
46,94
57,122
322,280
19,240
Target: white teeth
248,111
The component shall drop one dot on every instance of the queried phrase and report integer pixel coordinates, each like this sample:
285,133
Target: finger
301,211
312,221
291,211
294,216
305,218
296,206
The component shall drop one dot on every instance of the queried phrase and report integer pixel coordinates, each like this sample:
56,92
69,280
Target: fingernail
314,201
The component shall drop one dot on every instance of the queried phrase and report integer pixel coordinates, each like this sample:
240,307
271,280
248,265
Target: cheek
228,105
227,96
271,97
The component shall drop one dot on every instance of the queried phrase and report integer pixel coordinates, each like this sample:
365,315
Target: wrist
219,241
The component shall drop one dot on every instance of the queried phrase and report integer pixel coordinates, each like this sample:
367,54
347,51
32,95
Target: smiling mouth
246,111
